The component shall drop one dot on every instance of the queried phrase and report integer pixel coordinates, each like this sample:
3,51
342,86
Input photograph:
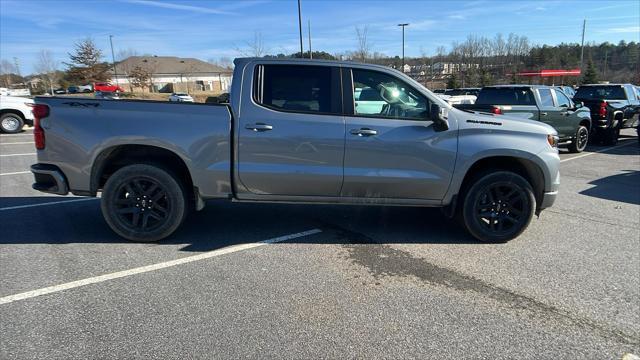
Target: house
173,74
445,68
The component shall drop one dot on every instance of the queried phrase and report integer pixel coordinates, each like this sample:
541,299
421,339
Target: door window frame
348,98
335,90
555,96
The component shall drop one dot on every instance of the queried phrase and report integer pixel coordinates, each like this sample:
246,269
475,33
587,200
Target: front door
291,134
567,117
392,149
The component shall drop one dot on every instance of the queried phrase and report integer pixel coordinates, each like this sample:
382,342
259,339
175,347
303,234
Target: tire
610,136
581,140
144,202
498,206
11,123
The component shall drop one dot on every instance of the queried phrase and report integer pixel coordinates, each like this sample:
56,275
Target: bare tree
7,71
126,53
140,77
223,62
47,67
254,48
364,47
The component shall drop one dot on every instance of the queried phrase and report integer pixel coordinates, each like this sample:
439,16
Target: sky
207,29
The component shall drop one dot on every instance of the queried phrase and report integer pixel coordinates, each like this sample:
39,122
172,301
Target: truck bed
80,130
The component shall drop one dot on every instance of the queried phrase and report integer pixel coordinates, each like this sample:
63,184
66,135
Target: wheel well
12,111
112,159
586,123
523,167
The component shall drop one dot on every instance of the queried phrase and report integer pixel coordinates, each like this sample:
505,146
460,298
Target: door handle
363,132
544,114
259,127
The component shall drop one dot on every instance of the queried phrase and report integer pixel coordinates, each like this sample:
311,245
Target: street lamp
113,59
403,25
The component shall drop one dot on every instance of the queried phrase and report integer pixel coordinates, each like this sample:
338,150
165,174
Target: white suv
15,112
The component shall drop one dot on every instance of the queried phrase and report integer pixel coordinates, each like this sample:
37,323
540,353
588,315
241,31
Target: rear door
394,152
291,131
566,118
549,112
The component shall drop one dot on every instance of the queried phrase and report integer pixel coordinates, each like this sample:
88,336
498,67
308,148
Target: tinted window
545,97
387,96
563,100
299,88
506,96
615,92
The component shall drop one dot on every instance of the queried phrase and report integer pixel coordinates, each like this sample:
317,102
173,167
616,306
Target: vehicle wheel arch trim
530,163
13,111
100,160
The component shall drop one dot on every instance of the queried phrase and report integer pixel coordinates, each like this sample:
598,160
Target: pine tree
86,64
590,76
453,83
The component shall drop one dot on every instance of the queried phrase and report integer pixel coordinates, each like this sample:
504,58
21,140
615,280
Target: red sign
548,73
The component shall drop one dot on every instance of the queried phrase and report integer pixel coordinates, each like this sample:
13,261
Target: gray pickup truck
294,133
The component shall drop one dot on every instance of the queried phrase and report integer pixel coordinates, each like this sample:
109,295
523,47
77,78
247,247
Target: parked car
107,87
107,95
613,106
73,90
59,91
85,88
463,91
460,96
541,103
295,138
15,112
15,91
180,97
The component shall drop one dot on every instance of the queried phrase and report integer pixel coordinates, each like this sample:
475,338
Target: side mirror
439,117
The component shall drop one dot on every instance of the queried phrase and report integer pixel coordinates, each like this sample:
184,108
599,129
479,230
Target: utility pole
310,53
584,25
403,25
300,28
113,59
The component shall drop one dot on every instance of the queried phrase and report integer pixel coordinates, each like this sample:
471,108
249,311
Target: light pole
300,28
403,25
113,59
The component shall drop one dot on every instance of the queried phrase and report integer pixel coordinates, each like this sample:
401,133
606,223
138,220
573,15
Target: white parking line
599,151
15,173
153,267
7,155
45,204
18,143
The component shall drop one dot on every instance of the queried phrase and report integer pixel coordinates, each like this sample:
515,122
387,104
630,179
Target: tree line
477,61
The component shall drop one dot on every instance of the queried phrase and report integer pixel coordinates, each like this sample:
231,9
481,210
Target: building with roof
173,74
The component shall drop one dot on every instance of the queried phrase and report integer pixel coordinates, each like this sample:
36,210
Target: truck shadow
623,187
223,224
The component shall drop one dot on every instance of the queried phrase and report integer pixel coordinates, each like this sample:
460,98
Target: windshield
615,92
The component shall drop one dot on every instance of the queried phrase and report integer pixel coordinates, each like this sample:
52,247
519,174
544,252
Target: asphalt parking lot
329,282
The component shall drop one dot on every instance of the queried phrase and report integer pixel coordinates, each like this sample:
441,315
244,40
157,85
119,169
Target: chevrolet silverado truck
293,133
546,104
614,107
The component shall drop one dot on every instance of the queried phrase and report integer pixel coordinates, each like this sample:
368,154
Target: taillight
40,111
603,109
496,110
